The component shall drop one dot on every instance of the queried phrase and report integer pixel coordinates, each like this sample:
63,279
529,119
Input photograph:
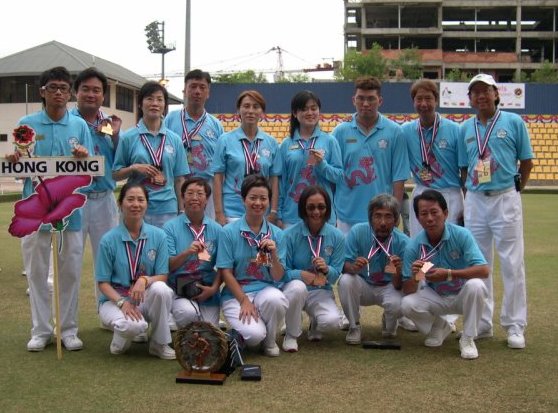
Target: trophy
201,349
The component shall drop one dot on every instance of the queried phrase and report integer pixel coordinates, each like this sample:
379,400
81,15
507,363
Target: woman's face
309,116
195,198
316,209
256,201
153,106
134,203
250,111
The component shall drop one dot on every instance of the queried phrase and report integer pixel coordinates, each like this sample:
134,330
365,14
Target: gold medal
204,255
425,175
159,179
263,259
484,175
107,129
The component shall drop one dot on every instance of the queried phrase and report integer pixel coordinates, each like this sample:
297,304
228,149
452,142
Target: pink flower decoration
52,202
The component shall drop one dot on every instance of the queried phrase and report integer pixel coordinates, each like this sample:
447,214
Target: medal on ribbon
251,157
156,159
263,257
425,173
203,255
187,137
483,163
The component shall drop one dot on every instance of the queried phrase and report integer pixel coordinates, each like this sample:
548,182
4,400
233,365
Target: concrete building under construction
502,37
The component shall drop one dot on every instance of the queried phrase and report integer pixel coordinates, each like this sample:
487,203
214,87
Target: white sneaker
140,338
516,339
388,333
272,351
468,348
440,330
119,344
406,324
163,351
172,323
344,323
38,343
72,343
354,335
313,334
289,344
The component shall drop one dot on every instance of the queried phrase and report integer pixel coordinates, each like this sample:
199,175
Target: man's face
367,103
196,92
90,94
383,222
425,103
483,97
431,217
56,93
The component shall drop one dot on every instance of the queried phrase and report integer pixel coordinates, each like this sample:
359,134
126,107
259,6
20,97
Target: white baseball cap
484,78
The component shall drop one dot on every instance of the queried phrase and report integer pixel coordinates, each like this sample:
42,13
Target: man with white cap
493,143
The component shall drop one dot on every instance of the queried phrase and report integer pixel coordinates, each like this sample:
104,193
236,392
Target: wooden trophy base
195,377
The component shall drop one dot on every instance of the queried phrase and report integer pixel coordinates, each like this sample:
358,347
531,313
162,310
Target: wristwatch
120,302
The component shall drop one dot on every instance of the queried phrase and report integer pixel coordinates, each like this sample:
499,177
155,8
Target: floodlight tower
155,32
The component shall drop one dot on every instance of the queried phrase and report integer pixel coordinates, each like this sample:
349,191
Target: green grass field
329,376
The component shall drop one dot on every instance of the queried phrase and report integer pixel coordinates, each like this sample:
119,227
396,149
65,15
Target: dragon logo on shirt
306,179
365,177
199,161
255,271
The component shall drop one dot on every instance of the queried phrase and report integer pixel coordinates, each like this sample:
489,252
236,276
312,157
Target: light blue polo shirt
297,174
360,241
56,139
203,144
102,146
229,160
459,250
299,254
508,143
111,264
371,164
442,157
235,253
179,238
131,150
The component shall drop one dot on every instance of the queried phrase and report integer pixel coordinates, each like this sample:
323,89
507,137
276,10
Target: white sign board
454,95
53,166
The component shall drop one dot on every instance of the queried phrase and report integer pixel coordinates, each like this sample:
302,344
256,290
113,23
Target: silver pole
187,39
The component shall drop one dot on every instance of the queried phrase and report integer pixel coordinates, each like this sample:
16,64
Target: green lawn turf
324,377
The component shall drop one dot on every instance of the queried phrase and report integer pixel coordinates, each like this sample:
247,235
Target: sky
225,34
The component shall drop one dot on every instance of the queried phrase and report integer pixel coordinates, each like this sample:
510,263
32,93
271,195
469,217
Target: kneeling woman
192,241
315,256
131,271
251,258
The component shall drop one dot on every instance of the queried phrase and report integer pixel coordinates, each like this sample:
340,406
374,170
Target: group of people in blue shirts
238,224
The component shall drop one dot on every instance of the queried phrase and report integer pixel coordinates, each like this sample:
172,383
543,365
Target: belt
97,194
498,192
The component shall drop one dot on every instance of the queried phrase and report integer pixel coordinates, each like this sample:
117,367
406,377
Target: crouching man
442,274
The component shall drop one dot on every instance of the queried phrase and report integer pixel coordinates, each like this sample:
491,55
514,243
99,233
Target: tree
456,75
295,78
248,76
547,73
370,63
408,63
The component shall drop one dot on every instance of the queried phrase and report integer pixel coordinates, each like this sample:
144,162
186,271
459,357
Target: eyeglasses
195,194
53,88
312,207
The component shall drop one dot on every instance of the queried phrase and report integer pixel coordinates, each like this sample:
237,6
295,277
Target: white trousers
454,199
69,276
354,292
98,216
498,220
186,311
271,304
154,308
426,305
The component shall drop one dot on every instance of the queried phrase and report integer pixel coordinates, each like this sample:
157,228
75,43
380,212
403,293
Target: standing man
58,133
374,156
493,143
100,213
432,143
373,264
443,271
199,129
